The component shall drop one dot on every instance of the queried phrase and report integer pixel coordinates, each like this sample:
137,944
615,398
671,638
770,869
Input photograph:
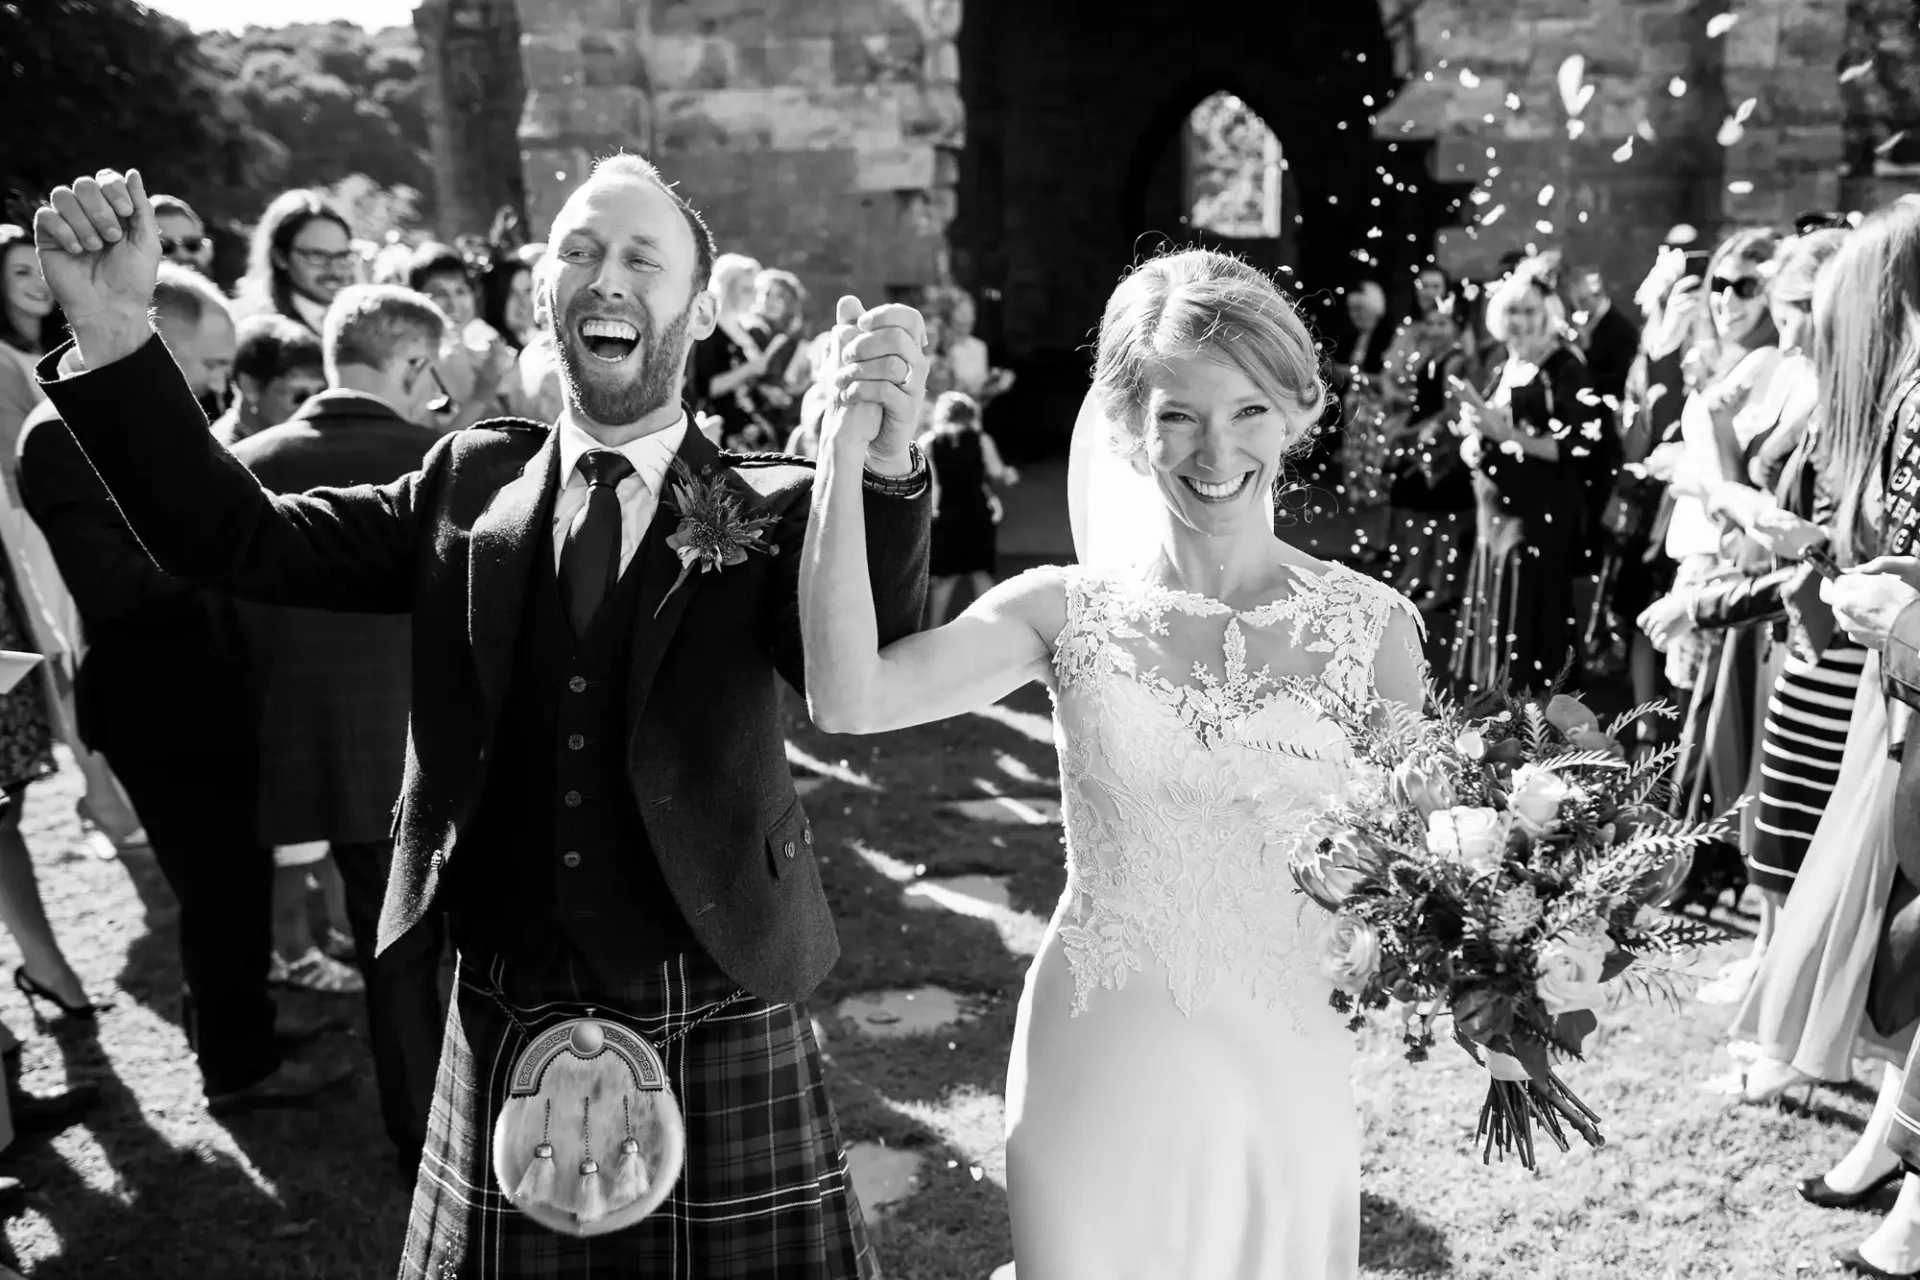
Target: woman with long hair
301,257
1810,695
1533,440
1831,987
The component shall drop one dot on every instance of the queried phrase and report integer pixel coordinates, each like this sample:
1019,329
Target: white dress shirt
651,456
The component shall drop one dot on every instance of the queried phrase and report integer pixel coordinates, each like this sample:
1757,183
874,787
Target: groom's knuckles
896,315
848,311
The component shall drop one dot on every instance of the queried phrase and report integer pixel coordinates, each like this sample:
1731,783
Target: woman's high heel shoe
36,991
1852,1261
1768,1081
1815,1191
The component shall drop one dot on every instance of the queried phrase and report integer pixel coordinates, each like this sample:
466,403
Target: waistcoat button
789,849
575,742
578,684
571,858
572,799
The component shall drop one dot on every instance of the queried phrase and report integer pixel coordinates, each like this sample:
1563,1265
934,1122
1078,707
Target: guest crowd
1645,511
1641,509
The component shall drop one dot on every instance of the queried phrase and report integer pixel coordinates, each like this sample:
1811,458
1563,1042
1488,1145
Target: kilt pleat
765,1192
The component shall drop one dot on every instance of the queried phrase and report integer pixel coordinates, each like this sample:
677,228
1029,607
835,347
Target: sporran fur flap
591,1139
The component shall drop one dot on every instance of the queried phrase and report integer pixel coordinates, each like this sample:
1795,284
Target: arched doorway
1221,182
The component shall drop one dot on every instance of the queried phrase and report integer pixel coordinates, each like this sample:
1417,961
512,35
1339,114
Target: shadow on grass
1396,1239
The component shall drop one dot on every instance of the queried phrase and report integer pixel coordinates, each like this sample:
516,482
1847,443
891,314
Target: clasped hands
879,379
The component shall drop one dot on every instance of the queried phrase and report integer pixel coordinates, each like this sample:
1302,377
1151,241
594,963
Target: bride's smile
1214,442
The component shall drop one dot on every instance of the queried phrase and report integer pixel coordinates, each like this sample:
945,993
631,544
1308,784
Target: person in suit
334,687
1608,340
595,785
276,367
163,693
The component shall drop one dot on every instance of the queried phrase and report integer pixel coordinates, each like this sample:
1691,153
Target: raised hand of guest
1785,534
100,252
1867,601
1667,619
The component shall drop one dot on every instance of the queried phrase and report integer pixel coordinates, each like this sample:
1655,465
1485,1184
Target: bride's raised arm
1000,643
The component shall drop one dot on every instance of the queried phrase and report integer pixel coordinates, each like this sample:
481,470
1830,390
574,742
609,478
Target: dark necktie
590,559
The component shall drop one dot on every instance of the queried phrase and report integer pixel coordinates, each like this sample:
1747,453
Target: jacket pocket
789,839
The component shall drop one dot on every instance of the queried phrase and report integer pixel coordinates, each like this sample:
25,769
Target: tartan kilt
765,1192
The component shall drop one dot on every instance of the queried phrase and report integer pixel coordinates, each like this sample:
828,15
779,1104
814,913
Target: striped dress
1804,737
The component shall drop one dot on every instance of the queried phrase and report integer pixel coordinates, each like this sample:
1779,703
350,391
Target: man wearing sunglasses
183,237
320,672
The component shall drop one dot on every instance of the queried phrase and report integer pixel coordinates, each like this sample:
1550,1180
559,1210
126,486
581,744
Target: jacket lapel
659,566
500,554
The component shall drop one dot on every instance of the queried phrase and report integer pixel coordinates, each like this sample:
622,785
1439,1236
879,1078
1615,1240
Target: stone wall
1715,114
819,137
471,64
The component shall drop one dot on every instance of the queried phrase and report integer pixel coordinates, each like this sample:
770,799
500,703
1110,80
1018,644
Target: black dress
1518,621
963,532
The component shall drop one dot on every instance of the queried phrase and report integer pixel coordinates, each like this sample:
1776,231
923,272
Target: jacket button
807,835
789,849
436,858
570,858
571,799
578,684
575,741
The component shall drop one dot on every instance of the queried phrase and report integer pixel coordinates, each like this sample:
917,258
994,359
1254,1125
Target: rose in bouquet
1508,874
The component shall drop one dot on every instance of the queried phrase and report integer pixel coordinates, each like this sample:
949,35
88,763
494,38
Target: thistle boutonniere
714,532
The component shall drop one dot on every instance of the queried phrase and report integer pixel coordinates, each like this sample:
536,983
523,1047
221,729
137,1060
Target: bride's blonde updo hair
1198,302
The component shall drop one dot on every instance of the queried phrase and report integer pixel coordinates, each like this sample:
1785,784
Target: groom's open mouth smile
609,340
1218,491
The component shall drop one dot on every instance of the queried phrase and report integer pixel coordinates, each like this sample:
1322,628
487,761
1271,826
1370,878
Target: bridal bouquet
1502,869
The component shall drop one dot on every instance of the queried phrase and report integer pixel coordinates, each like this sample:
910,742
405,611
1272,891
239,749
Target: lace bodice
1190,759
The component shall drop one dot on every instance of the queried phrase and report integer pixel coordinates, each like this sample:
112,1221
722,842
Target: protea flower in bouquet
1505,869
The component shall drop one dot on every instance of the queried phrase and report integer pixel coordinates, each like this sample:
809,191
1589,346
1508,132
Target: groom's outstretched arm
203,517
199,513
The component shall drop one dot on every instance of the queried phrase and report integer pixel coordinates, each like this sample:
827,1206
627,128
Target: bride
1178,1100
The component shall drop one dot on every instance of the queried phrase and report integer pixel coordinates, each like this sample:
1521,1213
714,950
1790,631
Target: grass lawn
1689,1186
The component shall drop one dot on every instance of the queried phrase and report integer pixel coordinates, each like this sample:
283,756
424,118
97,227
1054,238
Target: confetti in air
1546,195
1855,71
1623,152
1493,215
1469,79
1720,24
1886,148
1677,87
1574,94
1731,131
1740,188
1645,130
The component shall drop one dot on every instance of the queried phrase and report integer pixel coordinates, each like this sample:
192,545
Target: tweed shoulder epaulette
508,424
743,461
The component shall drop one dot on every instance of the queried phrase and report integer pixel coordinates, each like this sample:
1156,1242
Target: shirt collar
651,455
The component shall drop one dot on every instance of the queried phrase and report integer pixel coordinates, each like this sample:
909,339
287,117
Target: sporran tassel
629,1171
537,1183
591,1203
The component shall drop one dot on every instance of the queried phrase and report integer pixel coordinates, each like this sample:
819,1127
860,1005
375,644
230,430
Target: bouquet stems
1516,1102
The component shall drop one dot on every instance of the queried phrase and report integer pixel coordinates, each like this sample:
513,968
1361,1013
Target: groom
596,787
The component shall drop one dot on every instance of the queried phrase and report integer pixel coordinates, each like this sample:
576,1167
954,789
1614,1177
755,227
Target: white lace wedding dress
1178,1105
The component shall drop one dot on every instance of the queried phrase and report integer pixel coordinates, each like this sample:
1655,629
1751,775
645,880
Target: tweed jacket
453,544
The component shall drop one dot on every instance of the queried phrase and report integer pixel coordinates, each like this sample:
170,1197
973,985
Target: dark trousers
199,812
403,999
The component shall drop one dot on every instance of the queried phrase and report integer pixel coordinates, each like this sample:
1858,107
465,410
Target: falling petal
1481,197
1855,71
1720,24
1730,132
1493,215
1745,110
1887,147
1623,152
1544,227
1572,72
1513,102
1546,195
1469,79
1576,127
1741,187
1677,87
1645,130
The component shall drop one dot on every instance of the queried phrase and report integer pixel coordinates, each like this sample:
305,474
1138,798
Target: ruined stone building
1030,149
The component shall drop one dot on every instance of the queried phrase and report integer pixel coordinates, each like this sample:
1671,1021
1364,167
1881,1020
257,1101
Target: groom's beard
617,402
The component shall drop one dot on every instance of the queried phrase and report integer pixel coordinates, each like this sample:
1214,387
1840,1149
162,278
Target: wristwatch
910,485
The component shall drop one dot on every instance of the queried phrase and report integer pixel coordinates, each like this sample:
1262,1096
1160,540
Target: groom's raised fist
100,252
881,379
